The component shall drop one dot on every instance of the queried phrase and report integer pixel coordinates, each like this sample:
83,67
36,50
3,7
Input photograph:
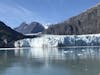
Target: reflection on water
60,61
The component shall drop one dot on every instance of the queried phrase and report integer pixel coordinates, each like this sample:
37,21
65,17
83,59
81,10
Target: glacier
60,41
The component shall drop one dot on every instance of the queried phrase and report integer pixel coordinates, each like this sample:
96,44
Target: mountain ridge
8,36
33,27
85,23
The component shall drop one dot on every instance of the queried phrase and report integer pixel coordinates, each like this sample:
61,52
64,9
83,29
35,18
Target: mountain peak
33,27
34,23
98,4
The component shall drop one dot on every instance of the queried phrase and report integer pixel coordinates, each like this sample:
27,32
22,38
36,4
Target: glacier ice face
60,41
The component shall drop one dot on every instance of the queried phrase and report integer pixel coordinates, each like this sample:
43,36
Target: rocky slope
8,36
34,27
87,22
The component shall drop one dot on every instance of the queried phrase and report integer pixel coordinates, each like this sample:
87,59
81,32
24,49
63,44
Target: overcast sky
14,12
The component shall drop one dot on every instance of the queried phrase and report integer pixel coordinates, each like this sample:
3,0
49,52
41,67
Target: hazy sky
14,12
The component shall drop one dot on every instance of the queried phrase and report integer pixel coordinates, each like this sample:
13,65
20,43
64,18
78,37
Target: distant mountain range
33,27
87,22
8,36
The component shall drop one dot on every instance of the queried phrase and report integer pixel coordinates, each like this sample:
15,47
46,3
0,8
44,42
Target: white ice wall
60,40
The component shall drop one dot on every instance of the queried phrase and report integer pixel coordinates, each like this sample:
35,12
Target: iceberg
60,41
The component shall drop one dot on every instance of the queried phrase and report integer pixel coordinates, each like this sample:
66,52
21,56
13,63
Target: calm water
51,61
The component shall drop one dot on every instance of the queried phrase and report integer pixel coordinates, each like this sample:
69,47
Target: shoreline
51,47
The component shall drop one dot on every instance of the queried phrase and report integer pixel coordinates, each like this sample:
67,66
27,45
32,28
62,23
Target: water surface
50,61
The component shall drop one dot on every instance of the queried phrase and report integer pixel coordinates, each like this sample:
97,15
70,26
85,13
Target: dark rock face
22,28
8,36
34,27
87,22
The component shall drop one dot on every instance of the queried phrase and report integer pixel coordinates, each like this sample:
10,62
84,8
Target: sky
14,12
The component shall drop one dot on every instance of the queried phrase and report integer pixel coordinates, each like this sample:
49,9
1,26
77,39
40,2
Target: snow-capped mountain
46,26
